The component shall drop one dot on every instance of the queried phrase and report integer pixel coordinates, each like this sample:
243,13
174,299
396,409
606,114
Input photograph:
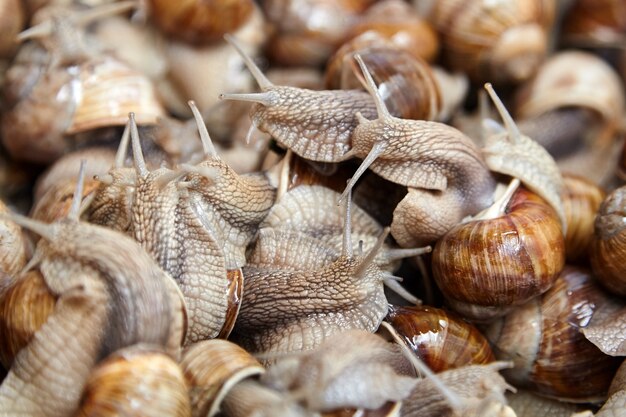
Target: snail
344,292
608,245
543,338
505,256
316,125
104,281
52,97
137,380
441,166
214,213
500,42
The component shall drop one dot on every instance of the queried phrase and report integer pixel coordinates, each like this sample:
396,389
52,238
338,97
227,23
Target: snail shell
307,32
399,23
442,340
543,338
501,261
503,41
137,381
608,249
595,23
212,368
581,201
200,21
24,308
574,79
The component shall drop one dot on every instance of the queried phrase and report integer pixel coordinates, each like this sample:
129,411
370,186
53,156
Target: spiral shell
495,41
502,261
574,79
136,381
24,308
212,368
13,249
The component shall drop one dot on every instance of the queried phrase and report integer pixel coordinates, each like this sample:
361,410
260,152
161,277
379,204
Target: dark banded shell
502,261
441,339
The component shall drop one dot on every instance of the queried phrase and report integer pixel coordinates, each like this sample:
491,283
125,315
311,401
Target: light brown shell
24,308
595,23
199,21
399,23
503,41
139,381
212,368
544,340
578,79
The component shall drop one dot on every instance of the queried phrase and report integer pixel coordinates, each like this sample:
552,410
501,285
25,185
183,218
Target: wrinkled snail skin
502,261
543,338
608,247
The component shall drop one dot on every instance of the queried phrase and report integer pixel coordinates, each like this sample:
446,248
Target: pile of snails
312,208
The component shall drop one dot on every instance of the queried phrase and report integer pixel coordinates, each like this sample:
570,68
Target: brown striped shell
212,368
581,201
442,340
595,23
544,340
495,41
24,308
139,381
502,261
199,21
608,249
